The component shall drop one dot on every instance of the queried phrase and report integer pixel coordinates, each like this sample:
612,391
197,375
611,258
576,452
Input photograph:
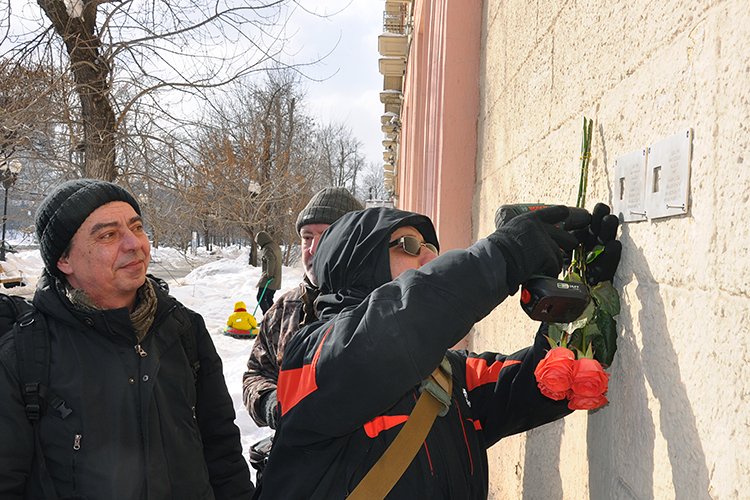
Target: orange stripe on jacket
383,423
295,385
478,372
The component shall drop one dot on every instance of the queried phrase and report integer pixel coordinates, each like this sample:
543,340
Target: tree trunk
91,73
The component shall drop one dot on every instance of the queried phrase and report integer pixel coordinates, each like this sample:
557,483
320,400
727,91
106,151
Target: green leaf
554,333
573,277
583,320
552,343
600,348
608,328
592,330
593,339
607,297
575,341
594,253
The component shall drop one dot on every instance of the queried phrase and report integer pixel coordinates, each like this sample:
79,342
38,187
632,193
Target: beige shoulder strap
392,465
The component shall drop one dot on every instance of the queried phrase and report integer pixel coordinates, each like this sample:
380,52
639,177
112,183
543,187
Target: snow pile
212,289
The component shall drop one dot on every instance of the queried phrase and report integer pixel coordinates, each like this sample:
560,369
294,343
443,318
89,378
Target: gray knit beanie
327,206
65,209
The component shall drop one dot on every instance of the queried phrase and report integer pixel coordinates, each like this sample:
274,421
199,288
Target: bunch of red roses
583,381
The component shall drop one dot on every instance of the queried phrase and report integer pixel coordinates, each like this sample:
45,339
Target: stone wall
677,425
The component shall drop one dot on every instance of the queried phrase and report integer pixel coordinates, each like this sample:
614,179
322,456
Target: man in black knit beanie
150,415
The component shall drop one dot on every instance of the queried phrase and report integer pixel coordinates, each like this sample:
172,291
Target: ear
63,264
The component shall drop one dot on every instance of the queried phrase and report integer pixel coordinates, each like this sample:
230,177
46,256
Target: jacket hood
263,238
352,257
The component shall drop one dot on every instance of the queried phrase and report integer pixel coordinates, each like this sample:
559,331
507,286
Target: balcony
395,16
392,66
390,97
393,45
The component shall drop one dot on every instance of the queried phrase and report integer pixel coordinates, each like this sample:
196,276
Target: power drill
544,298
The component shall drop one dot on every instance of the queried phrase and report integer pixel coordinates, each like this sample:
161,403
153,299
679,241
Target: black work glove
602,231
269,406
533,244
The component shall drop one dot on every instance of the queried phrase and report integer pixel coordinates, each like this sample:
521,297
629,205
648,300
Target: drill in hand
544,298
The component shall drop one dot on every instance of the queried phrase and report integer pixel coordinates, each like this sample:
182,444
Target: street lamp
8,174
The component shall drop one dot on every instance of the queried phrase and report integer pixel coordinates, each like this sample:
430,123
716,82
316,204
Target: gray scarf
142,316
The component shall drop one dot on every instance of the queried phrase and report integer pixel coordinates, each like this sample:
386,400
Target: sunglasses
412,245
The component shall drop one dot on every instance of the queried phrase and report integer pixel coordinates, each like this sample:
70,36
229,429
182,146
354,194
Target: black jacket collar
50,298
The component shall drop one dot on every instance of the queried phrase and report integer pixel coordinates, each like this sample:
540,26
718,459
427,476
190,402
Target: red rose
586,403
589,379
554,374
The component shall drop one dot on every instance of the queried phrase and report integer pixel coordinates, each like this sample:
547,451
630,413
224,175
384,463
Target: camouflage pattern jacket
281,322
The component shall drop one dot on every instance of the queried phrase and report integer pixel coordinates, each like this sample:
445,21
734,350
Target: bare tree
151,48
253,165
35,127
339,157
372,183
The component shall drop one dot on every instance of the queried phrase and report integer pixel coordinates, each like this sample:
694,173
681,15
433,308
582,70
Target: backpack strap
30,332
386,472
32,348
189,344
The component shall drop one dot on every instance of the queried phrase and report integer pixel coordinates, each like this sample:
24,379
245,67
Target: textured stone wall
677,426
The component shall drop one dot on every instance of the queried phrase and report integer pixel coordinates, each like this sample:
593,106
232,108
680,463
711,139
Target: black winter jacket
349,382
142,427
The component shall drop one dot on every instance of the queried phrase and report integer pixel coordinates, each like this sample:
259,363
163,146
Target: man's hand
533,243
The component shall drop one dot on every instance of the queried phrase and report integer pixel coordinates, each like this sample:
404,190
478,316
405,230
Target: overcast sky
352,93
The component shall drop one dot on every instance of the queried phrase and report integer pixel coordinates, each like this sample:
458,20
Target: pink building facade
435,173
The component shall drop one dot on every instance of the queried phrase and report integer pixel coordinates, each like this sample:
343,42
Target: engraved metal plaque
630,179
668,176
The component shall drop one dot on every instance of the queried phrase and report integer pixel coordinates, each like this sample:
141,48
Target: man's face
109,256
310,235
400,260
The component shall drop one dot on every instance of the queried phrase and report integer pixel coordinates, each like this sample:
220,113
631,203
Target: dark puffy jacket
279,324
142,426
349,382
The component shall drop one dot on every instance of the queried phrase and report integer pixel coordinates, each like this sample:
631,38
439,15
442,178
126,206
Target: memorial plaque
630,179
668,176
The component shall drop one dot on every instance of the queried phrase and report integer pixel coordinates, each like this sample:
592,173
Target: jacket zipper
76,448
141,352
424,443
466,439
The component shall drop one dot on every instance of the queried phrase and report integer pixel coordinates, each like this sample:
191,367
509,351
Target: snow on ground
216,282
212,289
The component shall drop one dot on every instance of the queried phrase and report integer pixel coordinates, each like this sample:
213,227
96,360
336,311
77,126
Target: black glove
602,231
533,244
269,406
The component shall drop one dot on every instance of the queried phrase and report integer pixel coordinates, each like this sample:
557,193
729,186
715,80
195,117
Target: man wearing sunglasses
390,309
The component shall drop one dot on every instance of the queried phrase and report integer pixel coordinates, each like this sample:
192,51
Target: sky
351,91
211,289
